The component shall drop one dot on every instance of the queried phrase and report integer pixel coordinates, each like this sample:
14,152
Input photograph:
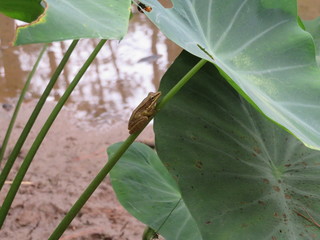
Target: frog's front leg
138,125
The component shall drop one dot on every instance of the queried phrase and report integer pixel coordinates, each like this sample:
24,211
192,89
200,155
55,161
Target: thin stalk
113,160
63,225
25,132
44,130
180,84
149,234
17,108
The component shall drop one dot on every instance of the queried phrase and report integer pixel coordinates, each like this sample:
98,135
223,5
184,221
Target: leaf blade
145,188
262,51
240,175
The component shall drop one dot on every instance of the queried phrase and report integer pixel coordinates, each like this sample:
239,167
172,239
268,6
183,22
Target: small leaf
73,19
145,188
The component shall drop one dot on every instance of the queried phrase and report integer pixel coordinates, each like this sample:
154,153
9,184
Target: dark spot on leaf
167,165
287,196
276,188
199,164
276,214
208,222
257,150
194,138
287,165
261,202
266,181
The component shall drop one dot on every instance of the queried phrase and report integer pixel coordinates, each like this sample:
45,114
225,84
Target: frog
142,114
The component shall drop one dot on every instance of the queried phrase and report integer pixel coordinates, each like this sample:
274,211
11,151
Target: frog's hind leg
138,125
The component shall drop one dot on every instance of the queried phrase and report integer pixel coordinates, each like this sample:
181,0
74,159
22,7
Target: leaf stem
113,160
36,144
15,152
181,83
92,187
21,97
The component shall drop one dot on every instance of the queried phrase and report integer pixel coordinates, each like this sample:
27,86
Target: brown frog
142,114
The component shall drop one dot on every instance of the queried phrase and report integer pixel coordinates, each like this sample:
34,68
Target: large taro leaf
23,10
146,189
241,176
260,47
74,19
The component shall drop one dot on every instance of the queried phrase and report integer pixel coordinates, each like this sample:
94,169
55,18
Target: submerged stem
25,132
21,97
37,142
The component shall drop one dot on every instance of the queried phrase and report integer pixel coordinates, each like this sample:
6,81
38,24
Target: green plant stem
36,144
180,84
17,108
92,187
113,160
15,152
149,234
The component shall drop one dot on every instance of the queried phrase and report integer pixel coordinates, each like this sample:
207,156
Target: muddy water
122,74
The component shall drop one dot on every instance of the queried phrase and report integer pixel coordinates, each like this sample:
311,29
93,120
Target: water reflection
121,75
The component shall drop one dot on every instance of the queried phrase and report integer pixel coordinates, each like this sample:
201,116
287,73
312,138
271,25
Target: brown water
122,74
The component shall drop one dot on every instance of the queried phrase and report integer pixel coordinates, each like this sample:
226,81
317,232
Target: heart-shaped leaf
146,189
74,19
241,176
262,50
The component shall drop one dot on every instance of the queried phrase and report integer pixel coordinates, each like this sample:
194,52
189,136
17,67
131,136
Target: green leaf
261,49
313,27
23,10
73,19
146,189
241,176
